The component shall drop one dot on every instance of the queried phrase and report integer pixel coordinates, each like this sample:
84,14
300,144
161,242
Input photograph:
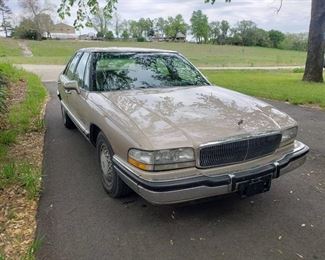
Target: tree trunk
6,31
4,23
315,54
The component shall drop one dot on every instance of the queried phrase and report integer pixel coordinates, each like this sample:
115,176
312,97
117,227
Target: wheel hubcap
106,163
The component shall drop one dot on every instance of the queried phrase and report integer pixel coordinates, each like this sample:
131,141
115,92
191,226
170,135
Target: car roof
126,49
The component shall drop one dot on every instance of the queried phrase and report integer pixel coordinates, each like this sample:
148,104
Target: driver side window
69,72
82,72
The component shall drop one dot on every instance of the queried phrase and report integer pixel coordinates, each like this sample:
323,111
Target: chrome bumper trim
170,192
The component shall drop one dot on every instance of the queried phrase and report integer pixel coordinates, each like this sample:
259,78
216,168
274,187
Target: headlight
289,135
162,159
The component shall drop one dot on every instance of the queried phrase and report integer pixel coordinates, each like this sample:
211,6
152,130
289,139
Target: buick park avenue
164,131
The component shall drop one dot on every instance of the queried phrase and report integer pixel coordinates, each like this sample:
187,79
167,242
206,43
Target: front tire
112,183
68,123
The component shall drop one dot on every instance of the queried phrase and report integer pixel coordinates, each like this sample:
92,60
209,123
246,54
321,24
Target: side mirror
71,85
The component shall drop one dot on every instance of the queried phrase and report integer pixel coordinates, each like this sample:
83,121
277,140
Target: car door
79,100
66,76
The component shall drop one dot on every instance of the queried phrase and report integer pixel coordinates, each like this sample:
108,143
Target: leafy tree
35,9
100,22
174,26
5,14
125,26
234,38
27,29
117,24
276,38
143,26
214,32
141,39
200,26
100,35
295,41
125,35
246,31
160,25
134,29
262,38
141,29
146,27
46,23
84,7
109,36
224,28
315,53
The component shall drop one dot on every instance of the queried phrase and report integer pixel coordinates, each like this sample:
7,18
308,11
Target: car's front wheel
68,123
112,183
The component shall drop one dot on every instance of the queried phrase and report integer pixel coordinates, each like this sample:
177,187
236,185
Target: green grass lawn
9,48
278,85
21,118
58,52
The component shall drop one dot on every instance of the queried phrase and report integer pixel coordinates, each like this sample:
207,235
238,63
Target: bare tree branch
279,8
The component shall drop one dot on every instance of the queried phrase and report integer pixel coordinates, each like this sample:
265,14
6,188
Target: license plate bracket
255,186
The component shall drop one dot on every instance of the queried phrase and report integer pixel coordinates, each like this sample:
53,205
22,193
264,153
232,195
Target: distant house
180,37
88,36
63,31
157,38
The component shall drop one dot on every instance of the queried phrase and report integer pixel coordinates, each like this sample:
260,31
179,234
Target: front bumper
177,191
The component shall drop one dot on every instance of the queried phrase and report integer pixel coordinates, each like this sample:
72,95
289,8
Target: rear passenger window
80,72
72,66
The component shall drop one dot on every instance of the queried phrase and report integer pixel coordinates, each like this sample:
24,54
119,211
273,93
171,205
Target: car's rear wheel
68,123
112,183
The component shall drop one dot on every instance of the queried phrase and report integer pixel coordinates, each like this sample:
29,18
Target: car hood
190,116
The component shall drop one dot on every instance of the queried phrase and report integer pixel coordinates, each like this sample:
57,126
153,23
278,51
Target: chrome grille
238,151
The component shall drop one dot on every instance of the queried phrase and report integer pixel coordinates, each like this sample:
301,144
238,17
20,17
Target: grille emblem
240,122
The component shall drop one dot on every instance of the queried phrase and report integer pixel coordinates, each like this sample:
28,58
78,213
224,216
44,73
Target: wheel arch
94,130
58,94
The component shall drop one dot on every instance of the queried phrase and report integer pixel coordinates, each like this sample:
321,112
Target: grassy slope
278,85
58,52
23,118
9,47
202,55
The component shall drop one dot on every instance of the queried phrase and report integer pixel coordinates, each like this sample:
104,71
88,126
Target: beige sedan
163,130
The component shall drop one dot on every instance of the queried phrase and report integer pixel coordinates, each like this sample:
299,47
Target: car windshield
125,71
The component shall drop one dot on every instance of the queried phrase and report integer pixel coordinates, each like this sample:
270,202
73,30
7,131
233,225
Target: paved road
77,220
47,73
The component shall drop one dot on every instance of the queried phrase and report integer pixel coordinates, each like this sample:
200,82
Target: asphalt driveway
77,220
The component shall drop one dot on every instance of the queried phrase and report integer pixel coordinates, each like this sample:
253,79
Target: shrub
298,70
109,35
141,39
298,42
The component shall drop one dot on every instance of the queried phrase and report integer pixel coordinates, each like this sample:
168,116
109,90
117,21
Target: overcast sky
293,17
